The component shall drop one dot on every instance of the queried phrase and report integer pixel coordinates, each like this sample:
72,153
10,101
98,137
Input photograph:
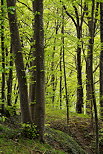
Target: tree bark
89,71
64,69
40,74
89,68
3,58
101,61
18,57
53,77
9,81
32,87
79,103
61,56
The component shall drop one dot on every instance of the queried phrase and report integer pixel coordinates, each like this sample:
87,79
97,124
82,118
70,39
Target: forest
51,77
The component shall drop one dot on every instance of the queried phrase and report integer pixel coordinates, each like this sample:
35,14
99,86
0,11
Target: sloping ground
56,141
59,137
62,141
80,129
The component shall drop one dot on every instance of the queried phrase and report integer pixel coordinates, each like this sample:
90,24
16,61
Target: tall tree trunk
32,87
78,24
3,58
64,69
61,56
89,60
101,61
53,77
17,50
79,103
40,75
9,81
89,70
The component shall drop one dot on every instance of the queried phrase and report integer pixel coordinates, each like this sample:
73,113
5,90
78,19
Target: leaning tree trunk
39,58
17,51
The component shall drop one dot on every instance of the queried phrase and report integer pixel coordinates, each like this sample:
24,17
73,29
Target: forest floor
80,127
80,130
58,136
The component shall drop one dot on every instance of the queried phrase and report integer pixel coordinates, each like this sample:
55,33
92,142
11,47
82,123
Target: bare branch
96,68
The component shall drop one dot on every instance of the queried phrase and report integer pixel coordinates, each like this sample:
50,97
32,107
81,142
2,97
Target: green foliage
8,133
2,118
11,9
12,142
29,131
101,137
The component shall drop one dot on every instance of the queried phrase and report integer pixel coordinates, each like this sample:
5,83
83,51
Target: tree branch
25,5
77,15
69,15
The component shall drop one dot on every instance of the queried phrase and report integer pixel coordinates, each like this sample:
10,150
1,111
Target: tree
101,61
38,53
18,57
64,68
89,60
3,57
89,69
78,25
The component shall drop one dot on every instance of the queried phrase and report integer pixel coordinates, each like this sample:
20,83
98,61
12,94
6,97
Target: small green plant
101,137
29,131
2,118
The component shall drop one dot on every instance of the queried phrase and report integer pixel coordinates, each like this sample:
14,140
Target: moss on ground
56,142
63,141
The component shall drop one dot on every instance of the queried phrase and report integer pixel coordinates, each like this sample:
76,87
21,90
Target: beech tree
38,53
78,22
101,60
3,57
18,57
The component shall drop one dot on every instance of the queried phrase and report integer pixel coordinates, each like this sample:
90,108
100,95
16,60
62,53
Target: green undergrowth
56,142
12,142
53,114
63,141
25,146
